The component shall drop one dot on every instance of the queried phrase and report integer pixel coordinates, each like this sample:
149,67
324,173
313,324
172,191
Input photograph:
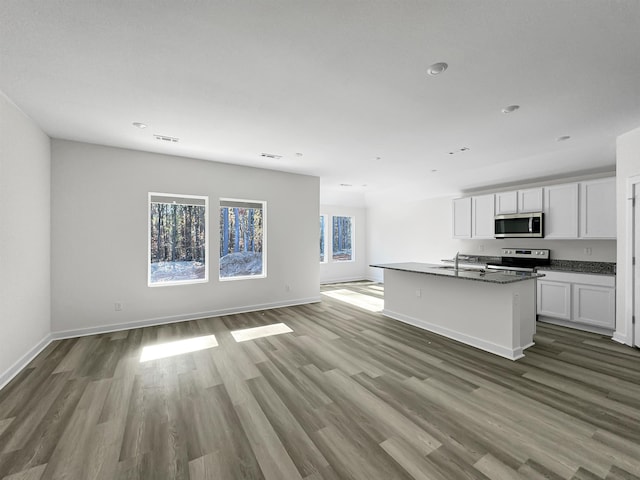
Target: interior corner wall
627,165
25,283
100,238
345,271
411,232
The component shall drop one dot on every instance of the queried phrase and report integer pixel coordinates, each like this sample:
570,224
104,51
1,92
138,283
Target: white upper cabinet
482,218
561,211
530,200
571,210
520,201
462,217
598,208
506,203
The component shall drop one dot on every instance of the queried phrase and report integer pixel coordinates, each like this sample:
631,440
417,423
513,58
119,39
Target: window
323,239
178,236
242,239
342,237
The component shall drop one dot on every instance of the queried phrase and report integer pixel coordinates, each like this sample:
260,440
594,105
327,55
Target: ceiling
337,88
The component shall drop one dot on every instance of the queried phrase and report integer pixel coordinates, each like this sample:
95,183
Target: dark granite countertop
475,274
577,266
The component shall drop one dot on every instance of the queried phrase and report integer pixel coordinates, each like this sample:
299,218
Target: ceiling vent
271,155
165,138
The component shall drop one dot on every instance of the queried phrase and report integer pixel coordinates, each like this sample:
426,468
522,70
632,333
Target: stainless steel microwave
519,225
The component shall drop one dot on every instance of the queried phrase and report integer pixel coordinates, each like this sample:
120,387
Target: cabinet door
561,211
598,208
506,202
530,200
482,216
461,217
594,305
554,299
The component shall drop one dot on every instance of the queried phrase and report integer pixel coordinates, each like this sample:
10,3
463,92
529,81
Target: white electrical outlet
287,288
587,251
117,306
418,293
481,248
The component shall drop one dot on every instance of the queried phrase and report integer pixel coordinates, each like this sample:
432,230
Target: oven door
519,225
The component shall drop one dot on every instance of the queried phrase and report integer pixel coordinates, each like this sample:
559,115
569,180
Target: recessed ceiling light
563,138
139,125
298,154
346,185
434,170
510,108
437,68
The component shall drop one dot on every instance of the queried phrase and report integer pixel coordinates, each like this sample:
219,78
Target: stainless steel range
521,259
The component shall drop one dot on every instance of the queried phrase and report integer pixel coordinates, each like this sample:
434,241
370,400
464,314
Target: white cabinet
598,208
530,200
580,300
506,203
561,211
594,305
520,201
482,216
462,217
554,299
571,211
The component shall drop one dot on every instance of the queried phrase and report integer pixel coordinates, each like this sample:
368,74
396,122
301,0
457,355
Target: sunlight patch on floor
368,302
259,332
179,347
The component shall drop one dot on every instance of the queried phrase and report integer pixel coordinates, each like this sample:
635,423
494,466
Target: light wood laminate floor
349,394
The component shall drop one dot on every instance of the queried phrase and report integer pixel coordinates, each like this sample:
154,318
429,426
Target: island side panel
481,314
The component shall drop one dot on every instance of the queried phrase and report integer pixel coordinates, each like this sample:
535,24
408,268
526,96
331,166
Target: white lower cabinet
594,305
554,299
579,300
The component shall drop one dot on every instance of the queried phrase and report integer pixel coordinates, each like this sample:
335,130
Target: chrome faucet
455,261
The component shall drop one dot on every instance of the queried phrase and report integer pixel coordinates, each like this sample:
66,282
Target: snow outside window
342,238
178,239
242,239
323,238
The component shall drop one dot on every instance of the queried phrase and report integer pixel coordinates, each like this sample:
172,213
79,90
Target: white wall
421,232
100,237
627,165
25,173
346,271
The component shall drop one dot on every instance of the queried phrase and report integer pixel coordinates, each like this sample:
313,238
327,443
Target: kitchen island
491,310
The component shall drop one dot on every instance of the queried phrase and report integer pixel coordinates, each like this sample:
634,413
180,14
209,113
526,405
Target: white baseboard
17,367
574,325
621,338
82,332
511,354
359,278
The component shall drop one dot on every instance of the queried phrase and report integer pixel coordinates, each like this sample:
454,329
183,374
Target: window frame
206,240
353,236
264,240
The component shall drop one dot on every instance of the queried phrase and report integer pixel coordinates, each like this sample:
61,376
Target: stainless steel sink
461,269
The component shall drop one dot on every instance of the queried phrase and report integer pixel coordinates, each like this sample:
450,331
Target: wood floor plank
34,473
349,394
